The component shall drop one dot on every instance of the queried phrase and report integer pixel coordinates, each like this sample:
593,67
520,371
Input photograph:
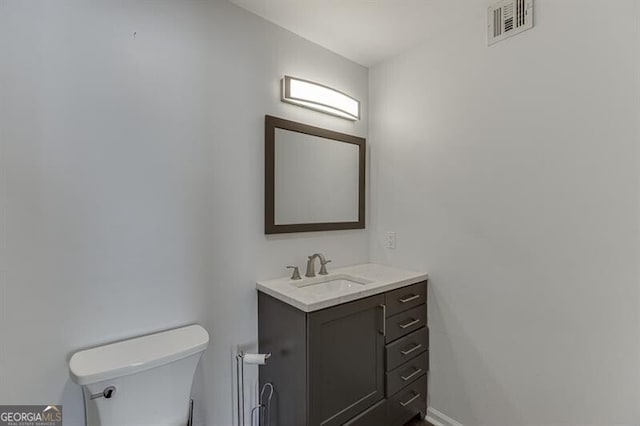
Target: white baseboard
436,418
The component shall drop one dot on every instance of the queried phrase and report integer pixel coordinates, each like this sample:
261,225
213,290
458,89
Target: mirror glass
314,178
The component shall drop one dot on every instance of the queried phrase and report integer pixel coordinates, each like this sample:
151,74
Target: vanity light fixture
320,98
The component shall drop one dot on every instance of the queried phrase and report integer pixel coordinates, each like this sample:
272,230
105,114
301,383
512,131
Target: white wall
131,181
511,174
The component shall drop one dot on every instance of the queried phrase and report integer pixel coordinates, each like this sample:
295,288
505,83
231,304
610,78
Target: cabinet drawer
405,298
408,347
405,404
374,416
405,322
407,373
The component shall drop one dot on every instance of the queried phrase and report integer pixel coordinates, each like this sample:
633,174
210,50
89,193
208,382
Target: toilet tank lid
137,354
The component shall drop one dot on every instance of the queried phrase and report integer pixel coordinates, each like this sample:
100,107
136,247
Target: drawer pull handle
412,375
413,349
409,299
416,396
410,323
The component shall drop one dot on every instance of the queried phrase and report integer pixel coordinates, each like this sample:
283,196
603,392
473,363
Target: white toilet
145,381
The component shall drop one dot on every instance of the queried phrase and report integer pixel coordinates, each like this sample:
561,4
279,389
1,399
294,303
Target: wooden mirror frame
270,227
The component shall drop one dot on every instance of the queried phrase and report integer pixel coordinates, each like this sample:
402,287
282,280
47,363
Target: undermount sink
331,283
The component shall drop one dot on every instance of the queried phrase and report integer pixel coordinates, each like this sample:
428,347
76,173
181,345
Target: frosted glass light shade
320,98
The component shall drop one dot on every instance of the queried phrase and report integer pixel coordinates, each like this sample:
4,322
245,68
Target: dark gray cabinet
332,367
346,360
406,353
374,416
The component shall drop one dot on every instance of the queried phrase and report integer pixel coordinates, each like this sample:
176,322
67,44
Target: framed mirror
314,178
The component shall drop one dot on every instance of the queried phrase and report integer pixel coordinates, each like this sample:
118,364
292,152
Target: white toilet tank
145,381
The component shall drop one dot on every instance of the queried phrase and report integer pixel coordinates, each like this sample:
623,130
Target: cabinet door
346,361
374,416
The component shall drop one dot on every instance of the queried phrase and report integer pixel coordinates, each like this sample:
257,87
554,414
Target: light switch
391,240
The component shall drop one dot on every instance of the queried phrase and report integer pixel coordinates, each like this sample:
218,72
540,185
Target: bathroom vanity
348,348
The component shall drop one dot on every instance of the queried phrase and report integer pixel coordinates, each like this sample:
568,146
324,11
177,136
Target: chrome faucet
311,270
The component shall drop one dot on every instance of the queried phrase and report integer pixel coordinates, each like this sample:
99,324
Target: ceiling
365,31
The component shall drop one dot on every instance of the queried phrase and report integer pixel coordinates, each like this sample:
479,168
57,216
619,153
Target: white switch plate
391,240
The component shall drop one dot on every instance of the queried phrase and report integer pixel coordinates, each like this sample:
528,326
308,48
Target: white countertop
381,279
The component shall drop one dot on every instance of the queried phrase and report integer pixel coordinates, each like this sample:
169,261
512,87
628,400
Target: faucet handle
296,273
323,267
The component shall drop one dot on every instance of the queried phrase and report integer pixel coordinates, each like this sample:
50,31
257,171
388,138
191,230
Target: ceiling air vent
508,18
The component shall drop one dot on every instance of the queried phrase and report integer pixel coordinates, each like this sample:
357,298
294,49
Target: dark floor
418,422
